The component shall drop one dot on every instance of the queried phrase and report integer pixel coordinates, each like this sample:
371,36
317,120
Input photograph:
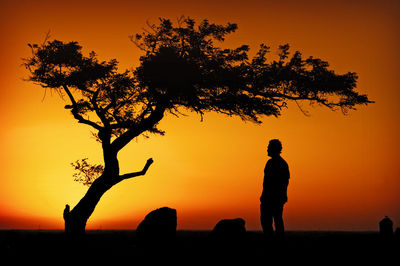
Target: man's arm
287,172
266,172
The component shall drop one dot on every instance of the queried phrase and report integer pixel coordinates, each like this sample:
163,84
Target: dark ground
196,247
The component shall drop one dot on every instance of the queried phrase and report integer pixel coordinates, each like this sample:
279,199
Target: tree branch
86,89
134,174
75,113
130,175
137,129
71,97
306,98
98,110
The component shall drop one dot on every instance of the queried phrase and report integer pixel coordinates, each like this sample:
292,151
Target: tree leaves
183,68
86,173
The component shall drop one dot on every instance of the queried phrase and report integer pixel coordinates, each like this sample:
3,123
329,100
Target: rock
158,227
386,227
229,229
397,233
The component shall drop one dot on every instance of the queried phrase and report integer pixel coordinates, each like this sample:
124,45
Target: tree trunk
75,220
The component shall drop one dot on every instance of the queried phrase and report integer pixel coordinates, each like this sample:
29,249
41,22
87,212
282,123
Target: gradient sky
345,172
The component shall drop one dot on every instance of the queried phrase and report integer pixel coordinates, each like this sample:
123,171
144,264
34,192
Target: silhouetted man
274,195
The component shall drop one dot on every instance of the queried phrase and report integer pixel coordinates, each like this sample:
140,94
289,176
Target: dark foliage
183,68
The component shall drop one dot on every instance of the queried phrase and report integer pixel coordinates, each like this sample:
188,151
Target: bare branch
301,109
98,110
135,174
146,124
47,37
75,113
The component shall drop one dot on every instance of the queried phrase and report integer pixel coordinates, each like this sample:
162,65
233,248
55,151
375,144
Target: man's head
274,148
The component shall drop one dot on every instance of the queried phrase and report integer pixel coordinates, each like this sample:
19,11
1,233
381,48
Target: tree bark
76,219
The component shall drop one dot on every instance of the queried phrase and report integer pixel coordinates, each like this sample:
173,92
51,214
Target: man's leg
278,219
266,220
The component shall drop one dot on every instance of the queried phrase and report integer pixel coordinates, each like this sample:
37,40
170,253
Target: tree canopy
183,68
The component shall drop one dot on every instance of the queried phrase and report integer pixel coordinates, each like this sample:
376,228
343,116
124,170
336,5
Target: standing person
274,194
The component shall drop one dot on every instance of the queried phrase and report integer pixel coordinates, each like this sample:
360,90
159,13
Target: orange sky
345,170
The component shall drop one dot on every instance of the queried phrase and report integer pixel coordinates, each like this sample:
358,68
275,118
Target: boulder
229,229
386,227
397,233
158,227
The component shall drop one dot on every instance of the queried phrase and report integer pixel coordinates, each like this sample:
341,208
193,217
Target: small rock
229,229
386,227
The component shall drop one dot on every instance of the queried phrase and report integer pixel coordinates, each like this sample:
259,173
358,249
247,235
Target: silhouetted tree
181,69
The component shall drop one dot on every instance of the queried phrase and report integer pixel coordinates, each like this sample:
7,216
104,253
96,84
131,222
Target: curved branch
75,113
98,110
134,131
135,174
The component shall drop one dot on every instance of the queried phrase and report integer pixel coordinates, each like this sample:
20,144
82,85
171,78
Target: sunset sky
345,171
